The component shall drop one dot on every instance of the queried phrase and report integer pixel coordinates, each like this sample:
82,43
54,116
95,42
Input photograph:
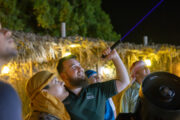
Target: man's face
7,45
142,73
94,79
74,73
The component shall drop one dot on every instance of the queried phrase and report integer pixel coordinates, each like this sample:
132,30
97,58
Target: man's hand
110,54
121,72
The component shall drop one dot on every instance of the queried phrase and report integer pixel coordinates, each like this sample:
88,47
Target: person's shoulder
100,84
92,87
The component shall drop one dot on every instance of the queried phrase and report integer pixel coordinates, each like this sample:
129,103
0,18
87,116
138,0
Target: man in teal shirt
88,102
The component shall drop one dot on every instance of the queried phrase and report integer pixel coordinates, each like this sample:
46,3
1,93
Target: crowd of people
72,93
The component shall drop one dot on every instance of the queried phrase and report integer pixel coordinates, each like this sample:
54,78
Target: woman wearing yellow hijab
46,93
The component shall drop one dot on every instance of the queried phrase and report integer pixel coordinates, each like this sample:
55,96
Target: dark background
161,26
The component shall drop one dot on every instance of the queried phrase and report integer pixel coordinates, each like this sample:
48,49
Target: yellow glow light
105,70
66,54
5,70
74,45
148,62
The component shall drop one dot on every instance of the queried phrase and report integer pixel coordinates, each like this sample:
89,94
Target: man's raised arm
122,75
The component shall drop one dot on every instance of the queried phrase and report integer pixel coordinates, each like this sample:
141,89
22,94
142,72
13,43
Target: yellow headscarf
42,101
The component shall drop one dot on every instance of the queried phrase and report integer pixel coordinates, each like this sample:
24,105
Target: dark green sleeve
108,88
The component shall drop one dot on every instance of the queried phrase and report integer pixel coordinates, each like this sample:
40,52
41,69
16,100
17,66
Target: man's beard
78,82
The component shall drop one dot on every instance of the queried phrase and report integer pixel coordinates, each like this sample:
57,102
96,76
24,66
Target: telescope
159,98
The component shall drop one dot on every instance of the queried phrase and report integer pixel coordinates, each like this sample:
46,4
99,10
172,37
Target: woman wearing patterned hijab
46,93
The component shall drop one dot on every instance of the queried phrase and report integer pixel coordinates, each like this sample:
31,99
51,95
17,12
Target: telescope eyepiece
167,94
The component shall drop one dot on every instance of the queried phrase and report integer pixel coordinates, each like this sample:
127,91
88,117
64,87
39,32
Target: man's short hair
60,63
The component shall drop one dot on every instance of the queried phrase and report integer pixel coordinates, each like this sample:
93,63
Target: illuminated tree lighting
66,54
74,45
5,70
148,62
106,71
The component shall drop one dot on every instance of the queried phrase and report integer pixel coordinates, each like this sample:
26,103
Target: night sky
161,26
